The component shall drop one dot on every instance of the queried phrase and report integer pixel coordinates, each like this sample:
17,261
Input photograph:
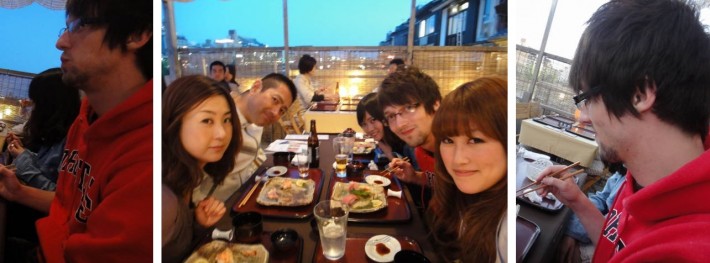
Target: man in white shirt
262,105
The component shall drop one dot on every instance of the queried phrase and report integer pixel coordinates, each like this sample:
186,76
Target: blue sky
311,22
28,38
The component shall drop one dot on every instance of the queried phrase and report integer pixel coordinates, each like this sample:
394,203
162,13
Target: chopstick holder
562,178
553,174
397,194
226,235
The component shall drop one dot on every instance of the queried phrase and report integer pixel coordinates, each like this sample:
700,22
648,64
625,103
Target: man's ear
136,41
644,99
436,105
256,86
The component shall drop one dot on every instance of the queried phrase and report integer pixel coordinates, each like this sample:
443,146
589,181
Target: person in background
266,101
409,98
394,65
307,93
230,76
647,97
102,210
38,153
467,210
199,120
218,72
389,146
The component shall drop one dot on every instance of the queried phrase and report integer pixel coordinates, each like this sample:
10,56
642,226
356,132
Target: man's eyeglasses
582,100
405,112
77,24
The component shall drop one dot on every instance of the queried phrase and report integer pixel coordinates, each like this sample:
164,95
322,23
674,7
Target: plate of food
378,180
382,248
276,171
362,197
223,252
365,147
536,167
282,191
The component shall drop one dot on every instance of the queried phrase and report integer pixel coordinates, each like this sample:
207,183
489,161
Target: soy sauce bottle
313,147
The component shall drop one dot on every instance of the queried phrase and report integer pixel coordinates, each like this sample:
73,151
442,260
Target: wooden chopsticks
257,181
553,174
563,178
389,170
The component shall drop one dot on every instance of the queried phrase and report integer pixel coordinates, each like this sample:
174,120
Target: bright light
239,56
464,6
224,41
8,111
561,96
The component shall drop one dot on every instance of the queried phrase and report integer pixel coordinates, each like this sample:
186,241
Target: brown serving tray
583,132
299,212
355,248
555,121
525,234
547,204
324,107
397,209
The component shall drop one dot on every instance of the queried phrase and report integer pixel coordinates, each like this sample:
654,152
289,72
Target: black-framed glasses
582,100
77,24
406,111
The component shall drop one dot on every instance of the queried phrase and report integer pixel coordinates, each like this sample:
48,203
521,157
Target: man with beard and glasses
103,205
266,101
642,72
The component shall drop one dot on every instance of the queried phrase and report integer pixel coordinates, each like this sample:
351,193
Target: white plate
536,167
389,241
276,171
370,179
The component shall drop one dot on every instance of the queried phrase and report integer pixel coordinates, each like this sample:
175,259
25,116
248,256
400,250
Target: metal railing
551,89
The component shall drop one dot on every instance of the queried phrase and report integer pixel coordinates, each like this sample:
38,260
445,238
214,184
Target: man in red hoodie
642,72
102,208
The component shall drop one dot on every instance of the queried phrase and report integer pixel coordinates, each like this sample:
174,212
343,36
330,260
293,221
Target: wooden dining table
412,232
550,221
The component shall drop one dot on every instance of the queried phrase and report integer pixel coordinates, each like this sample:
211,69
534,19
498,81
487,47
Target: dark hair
631,45
479,105
123,18
56,105
409,85
180,170
232,69
272,80
218,63
397,61
369,104
306,64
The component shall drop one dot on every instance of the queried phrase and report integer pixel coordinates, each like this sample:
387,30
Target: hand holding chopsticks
542,186
391,168
555,174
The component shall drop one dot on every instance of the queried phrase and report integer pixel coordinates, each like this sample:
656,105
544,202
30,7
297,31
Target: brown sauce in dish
277,172
378,182
382,249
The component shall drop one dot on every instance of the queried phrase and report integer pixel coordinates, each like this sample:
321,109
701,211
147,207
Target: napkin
299,158
535,156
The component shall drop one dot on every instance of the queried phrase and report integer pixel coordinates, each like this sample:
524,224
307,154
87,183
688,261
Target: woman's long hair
369,104
56,105
481,105
181,172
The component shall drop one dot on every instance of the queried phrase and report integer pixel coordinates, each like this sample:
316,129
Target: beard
608,154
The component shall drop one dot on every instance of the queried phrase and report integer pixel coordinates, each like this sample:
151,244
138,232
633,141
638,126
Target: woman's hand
15,148
209,211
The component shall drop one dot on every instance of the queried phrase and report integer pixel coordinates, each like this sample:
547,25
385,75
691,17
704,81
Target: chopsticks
563,178
389,170
257,181
553,174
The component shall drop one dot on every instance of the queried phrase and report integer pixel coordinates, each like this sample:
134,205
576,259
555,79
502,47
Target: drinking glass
342,147
332,220
302,162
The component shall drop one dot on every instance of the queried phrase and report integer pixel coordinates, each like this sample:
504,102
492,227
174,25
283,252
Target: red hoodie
667,221
103,207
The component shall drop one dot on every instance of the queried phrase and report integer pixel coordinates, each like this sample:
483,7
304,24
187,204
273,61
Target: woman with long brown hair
199,124
469,199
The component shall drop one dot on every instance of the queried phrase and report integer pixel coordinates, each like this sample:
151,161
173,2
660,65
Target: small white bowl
276,171
376,179
392,244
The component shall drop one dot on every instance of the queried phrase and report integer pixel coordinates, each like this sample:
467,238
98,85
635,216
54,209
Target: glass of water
332,219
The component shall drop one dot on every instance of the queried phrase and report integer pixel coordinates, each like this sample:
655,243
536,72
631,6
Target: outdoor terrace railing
550,88
357,69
